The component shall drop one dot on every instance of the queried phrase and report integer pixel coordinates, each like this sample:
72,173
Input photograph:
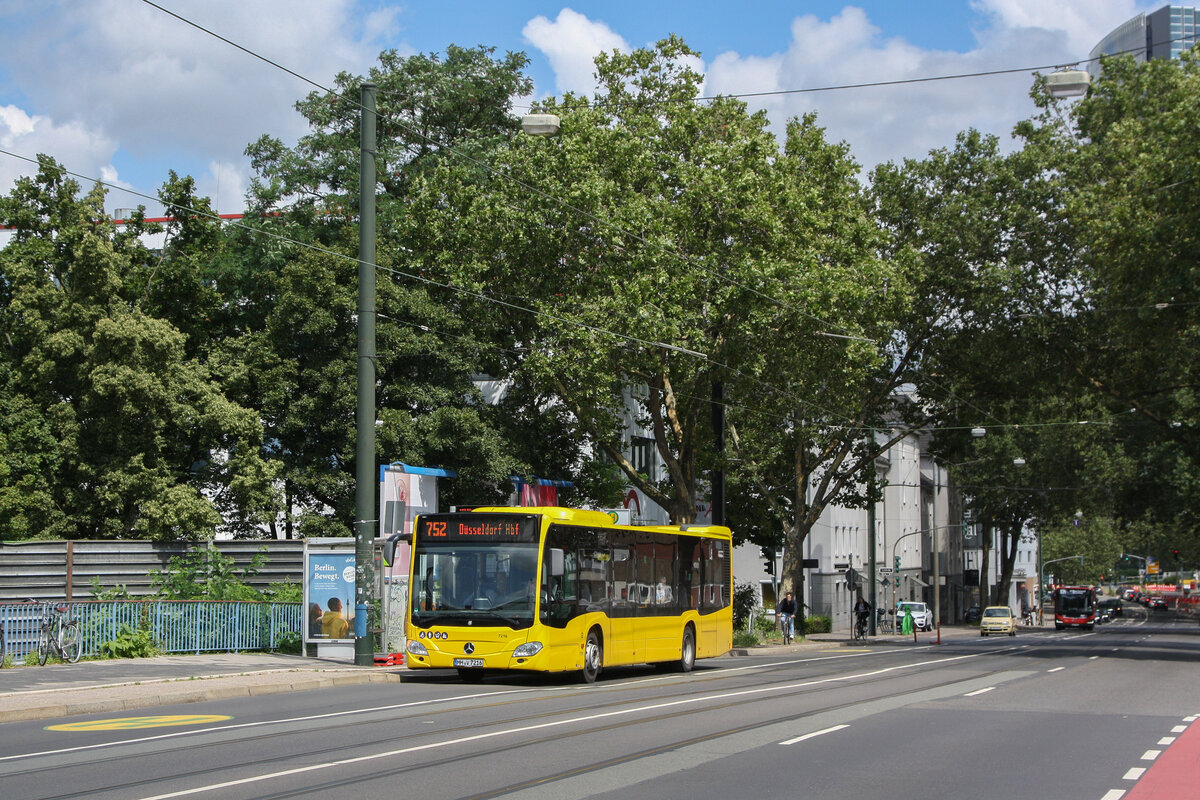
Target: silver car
922,615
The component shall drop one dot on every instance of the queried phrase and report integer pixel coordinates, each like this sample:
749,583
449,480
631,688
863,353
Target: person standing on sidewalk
787,617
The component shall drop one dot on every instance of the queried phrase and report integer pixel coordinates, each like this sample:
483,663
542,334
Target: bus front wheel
593,657
687,656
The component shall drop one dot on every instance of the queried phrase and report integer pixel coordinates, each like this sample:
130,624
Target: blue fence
177,626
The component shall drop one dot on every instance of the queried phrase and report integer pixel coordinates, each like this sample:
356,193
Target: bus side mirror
389,547
556,562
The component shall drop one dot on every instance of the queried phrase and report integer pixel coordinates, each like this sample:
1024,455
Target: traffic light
769,566
1176,554
897,559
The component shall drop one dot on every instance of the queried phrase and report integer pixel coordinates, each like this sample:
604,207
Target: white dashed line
1113,794
979,691
1056,669
1134,773
1150,755
1179,729
1092,658
814,733
1167,740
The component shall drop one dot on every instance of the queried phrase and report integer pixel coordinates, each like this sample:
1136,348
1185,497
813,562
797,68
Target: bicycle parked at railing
58,634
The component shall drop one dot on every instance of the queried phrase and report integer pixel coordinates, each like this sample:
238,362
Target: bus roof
587,516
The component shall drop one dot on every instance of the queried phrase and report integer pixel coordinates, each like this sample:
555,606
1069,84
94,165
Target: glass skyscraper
1164,33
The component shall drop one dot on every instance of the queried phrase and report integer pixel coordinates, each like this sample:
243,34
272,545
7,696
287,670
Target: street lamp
1068,83
540,124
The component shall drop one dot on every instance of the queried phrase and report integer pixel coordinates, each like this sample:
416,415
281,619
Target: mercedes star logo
468,648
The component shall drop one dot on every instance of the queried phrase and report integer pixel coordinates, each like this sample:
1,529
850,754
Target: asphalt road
1047,715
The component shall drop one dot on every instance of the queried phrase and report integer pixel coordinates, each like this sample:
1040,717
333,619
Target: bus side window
666,586
623,581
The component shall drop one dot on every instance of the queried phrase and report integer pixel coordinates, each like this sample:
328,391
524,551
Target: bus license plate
468,662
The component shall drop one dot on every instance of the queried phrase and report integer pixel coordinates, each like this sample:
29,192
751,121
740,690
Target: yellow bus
552,589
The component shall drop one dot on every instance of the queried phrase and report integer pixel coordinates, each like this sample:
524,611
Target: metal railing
176,626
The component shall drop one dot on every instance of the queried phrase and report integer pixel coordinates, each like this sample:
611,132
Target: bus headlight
416,648
528,649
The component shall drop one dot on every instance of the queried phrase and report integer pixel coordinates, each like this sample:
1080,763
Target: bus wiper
512,622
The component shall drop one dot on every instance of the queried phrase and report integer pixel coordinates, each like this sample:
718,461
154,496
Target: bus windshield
1076,602
474,584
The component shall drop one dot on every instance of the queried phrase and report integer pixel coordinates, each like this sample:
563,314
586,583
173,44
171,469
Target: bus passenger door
626,644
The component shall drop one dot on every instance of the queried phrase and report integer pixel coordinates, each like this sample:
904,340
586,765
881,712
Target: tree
665,246
120,433
1125,154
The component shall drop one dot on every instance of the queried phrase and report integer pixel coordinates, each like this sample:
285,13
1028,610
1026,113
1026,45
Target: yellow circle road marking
133,723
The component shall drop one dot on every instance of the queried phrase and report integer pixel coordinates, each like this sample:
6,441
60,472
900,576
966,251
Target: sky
119,90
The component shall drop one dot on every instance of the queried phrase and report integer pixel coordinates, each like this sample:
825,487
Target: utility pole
937,557
366,477
871,543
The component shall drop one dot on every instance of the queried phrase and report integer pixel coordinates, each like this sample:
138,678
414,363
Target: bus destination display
479,528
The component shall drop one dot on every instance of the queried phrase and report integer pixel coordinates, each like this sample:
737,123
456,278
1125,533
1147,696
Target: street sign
884,570
809,563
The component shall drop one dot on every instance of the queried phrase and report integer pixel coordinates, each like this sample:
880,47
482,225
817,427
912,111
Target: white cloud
165,92
889,123
72,144
1081,23
886,122
571,42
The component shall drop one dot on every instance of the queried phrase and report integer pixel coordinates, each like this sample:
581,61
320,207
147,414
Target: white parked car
922,614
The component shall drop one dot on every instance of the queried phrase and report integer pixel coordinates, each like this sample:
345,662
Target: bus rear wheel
593,657
687,655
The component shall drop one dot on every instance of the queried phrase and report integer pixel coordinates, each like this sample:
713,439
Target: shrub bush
745,639
764,625
130,643
745,598
818,624
289,642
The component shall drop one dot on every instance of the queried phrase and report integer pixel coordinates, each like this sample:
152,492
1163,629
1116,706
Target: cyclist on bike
787,616
862,610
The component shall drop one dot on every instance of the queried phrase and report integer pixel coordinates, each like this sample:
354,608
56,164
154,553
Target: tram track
678,702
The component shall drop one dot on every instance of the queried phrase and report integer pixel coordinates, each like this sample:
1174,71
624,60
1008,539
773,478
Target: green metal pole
365,475
872,567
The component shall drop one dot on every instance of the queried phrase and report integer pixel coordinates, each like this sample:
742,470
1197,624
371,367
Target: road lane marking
1113,794
545,725
1167,740
1192,718
1134,773
136,723
1150,755
1092,658
444,700
979,691
814,734
1179,729
1056,669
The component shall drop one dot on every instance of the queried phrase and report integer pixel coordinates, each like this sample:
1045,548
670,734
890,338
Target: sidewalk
98,687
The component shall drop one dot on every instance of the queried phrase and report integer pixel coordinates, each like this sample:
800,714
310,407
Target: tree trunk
1008,559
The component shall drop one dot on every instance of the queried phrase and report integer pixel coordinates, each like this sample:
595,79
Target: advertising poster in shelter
330,595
